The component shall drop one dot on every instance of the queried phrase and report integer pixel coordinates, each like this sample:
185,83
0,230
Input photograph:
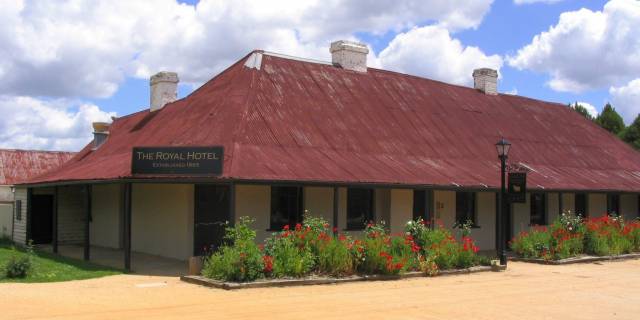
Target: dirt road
609,290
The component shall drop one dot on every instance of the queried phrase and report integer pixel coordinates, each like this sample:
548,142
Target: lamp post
502,147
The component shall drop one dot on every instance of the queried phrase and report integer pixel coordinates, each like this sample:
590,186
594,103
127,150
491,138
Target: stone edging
200,280
580,259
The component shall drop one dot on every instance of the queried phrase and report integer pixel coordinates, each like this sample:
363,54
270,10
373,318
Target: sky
66,64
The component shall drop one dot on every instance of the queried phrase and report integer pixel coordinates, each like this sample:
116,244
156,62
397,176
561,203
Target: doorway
41,219
211,213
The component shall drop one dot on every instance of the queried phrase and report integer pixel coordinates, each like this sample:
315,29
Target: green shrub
238,260
533,244
605,236
18,267
439,245
289,259
632,232
334,256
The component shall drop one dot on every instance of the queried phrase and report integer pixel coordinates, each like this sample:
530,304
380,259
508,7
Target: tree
582,110
631,134
610,120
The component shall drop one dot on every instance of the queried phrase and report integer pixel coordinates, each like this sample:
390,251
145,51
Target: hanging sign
517,190
177,160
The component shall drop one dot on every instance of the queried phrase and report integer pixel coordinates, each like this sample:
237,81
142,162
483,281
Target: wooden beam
127,226
54,231
87,223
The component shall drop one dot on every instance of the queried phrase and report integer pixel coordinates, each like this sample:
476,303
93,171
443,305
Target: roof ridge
34,150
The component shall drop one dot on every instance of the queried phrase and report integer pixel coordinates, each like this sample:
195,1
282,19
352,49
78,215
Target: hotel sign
177,160
517,191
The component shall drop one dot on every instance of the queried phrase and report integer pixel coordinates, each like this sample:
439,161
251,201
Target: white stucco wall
597,204
485,235
629,206
5,193
445,208
6,220
318,201
71,213
553,209
520,216
255,201
105,228
401,209
569,203
162,219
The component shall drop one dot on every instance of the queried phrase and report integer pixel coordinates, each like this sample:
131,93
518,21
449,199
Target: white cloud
513,91
587,49
590,108
626,100
87,48
521,2
48,125
431,52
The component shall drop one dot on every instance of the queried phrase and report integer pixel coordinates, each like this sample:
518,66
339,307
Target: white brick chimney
349,55
164,89
486,80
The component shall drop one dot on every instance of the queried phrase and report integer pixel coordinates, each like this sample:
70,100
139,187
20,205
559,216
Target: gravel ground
605,290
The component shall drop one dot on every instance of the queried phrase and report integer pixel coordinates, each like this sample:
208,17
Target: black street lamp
502,147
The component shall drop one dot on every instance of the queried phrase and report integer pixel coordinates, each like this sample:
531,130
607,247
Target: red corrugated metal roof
295,120
19,165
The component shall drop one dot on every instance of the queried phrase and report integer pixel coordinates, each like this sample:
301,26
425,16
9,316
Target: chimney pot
164,89
100,133
486,80
349,55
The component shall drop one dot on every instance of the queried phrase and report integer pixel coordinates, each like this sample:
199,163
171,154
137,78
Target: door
211,213
41,218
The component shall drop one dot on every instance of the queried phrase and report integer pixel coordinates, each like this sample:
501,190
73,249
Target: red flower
285,228
268,264
335,229
298,227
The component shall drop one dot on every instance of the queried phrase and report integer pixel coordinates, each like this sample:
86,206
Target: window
286,206
465,207
359,208
419,204
18,208
613,204
538,209
581,204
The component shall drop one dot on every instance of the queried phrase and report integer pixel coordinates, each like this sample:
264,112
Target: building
17,166
344,141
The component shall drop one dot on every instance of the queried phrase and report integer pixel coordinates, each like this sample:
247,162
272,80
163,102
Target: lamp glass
503,147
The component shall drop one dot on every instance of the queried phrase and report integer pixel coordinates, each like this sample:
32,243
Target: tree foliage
610,120
582,110
631,134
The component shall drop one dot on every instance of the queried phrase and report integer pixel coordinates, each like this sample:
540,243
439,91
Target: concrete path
607,290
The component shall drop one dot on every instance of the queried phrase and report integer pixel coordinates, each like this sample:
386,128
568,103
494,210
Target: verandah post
87,222
126,234
336,198
54,231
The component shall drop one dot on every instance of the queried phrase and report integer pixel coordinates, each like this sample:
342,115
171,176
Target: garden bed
313,253
573,239
317,280
577,259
